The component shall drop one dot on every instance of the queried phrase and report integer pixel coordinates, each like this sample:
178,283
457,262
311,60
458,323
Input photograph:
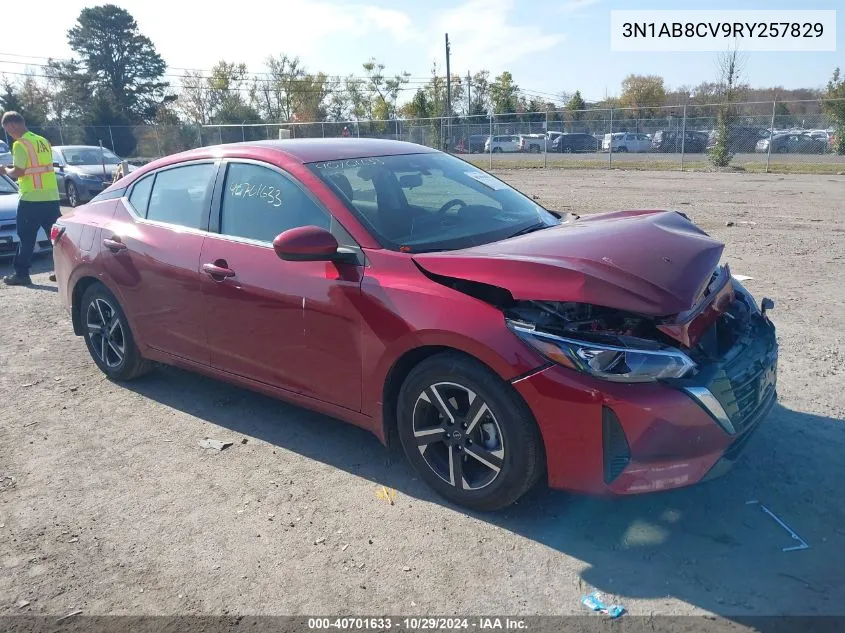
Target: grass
695,164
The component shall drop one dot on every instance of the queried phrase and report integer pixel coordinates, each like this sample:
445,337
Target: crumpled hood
654,263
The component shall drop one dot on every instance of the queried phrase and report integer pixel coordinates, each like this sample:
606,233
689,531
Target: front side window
140,196
181,195
260,203
430,201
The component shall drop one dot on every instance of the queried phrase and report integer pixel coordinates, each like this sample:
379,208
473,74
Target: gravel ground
108,504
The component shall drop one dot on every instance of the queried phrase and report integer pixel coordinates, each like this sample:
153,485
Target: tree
70,94
730,65
121,64
503,94
834,105
10,100
576,106
276,94
382,92
227,86
309,98
480,93
195,98
644,93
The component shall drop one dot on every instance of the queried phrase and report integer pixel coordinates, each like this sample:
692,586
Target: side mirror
311,244
59,165
409,181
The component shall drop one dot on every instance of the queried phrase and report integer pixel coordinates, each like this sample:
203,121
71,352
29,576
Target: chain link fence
781,136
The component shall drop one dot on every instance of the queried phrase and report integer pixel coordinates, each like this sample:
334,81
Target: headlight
608,362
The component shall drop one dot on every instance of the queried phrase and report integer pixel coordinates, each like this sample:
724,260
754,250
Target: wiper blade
529,229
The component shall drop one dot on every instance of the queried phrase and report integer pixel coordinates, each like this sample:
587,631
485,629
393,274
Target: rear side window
181,195
259,203
140,196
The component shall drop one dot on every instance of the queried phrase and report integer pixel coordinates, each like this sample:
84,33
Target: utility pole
469,95
448,94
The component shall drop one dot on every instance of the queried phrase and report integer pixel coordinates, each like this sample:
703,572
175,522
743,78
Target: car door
289,324
59,169
151,251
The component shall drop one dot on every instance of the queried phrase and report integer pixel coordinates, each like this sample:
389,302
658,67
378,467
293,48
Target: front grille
8,227
615,449
745,378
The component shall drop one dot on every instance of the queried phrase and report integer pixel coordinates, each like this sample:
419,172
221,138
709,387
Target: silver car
9,239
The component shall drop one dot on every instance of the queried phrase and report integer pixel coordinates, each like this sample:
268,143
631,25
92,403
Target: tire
497,150
117,356
622,150
72,195
498,450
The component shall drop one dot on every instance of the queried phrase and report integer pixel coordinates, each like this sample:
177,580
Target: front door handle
213,270
114,244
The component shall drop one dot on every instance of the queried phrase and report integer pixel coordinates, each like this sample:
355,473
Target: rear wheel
497,150
467,434
622,150
108,337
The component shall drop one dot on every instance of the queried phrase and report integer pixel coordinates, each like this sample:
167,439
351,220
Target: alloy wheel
72,195
105,331
458,436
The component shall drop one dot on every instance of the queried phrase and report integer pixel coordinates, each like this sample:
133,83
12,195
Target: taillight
56,231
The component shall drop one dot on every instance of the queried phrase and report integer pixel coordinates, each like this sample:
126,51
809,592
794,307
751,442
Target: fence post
683,135
323,129
771,134
546,142
610,157
158,141
243,132
199,134
491,140
111,136
61,136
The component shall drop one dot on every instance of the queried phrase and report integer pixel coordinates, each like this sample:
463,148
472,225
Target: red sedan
408,292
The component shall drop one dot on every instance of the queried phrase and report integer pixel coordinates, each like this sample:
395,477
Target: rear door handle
114,244
213,270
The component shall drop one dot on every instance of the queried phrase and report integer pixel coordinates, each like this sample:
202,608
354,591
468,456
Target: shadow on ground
42,263
703,545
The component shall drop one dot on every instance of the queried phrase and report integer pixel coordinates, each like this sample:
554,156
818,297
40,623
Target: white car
502,143
9,239
627,142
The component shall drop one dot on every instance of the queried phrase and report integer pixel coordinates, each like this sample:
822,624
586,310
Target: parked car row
742,139
82,171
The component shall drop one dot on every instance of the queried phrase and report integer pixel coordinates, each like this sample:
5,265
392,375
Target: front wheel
72,195
108,337
467,434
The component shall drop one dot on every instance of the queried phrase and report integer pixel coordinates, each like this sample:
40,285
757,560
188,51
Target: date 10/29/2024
267,193
418,623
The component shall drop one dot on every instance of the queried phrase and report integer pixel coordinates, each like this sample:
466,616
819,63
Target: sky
550,46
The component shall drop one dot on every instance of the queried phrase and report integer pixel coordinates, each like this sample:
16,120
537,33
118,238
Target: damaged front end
722,354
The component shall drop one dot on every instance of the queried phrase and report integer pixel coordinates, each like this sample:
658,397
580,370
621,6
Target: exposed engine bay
585,322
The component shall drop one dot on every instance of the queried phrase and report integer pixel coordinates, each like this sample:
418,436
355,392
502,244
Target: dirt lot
108,504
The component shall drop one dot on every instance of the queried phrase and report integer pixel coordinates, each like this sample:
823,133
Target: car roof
310,150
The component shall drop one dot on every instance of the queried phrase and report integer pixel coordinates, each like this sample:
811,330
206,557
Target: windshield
88,156
430,202
7,186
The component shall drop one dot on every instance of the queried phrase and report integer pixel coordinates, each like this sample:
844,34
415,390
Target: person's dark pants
31,217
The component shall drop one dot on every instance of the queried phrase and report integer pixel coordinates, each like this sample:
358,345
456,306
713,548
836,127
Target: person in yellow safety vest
38,206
